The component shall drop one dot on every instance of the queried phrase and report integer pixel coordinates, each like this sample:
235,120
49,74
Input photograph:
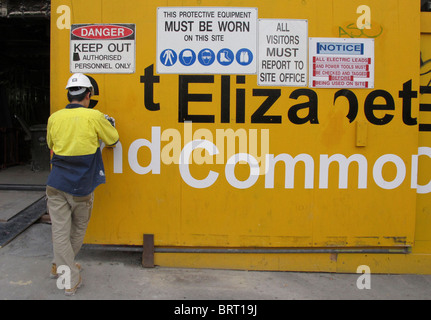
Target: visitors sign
206,40
283,52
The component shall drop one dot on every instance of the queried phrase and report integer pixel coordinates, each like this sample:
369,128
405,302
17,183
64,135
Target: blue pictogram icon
244,57
206,57
168,57
225,57
187,57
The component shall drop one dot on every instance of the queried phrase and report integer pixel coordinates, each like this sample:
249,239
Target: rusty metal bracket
148,252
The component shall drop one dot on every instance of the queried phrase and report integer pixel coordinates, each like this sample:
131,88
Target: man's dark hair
78,97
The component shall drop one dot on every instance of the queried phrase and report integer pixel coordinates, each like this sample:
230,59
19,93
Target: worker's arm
106,131
48,135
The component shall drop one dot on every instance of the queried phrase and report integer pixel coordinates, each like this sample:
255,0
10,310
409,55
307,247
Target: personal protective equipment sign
341,63
206,40
283,52
102,48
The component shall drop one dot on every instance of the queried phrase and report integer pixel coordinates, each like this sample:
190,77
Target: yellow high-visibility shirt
73,134
76,130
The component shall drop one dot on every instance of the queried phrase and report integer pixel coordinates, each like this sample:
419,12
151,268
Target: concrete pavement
25,266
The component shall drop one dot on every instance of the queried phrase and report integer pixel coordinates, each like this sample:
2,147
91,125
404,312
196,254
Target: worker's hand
110,119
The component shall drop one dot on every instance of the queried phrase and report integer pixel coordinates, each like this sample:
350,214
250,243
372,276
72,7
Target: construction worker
73,136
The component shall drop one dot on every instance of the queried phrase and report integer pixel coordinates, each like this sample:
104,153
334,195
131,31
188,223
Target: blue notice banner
340,48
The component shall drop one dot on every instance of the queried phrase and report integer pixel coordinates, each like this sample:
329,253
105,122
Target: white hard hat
79,82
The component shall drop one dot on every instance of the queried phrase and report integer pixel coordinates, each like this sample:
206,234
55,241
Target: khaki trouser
69,218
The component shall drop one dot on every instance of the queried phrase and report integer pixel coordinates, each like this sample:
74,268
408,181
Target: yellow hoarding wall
223,159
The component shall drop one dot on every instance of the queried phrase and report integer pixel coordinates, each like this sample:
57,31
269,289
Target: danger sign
102,48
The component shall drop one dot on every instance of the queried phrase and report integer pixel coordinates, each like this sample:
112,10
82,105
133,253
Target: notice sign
341,63
102,48
283,52
201,40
